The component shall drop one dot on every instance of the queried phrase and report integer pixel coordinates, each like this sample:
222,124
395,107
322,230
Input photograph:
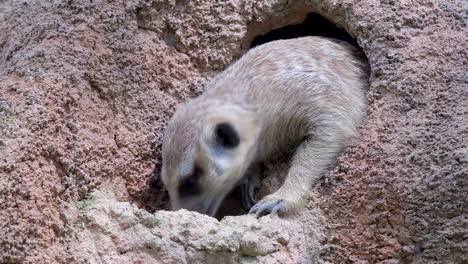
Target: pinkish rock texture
86,88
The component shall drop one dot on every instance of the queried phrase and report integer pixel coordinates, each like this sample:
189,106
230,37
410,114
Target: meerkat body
305,94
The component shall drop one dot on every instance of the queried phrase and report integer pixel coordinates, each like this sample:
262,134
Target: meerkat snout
304,94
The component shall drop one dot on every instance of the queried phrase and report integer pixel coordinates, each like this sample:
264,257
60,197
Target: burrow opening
313,25
156,197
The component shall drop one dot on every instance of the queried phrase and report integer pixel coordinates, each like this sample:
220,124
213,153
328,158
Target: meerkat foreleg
309,163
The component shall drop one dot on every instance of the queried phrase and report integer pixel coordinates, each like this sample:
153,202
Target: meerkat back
305,94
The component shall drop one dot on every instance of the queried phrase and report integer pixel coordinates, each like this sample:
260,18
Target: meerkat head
207,148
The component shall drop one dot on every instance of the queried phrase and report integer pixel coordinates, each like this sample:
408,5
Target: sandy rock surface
119,232
86,88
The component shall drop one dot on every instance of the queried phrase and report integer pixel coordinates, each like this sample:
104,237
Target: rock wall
86,88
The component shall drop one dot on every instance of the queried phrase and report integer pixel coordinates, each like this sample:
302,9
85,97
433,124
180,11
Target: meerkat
305,94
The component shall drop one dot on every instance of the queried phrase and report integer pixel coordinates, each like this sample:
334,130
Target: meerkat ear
226,135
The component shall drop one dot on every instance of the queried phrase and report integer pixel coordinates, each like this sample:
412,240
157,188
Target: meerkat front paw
269,205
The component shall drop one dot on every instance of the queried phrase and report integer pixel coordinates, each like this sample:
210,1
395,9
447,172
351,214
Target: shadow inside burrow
272,175
155,197
313,25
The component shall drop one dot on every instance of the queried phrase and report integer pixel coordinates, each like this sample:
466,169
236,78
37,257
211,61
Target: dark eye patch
191,185
226,135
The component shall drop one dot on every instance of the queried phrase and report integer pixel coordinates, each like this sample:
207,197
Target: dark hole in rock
313,25
156,198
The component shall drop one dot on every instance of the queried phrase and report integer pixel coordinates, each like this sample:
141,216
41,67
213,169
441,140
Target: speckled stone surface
86,88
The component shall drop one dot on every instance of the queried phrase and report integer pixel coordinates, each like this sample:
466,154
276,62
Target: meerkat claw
248,188
245,197
268,207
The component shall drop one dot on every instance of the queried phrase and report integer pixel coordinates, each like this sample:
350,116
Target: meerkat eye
190,185
226,135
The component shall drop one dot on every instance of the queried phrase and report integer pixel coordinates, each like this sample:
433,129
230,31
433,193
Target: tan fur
305,93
